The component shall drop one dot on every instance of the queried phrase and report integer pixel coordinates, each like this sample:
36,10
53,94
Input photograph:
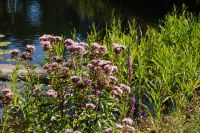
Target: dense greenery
161,67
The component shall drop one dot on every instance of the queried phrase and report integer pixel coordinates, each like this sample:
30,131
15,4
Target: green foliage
161,67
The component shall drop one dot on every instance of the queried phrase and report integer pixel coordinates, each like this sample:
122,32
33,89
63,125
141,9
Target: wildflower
118,48
58,59
54,65
45,37
52,93
129,129
117,90
98,49
68,64
76,49
7,96
110,69
112,79
125,87
87,82
83,44
30,48
58,38
76,79
102,65
47,67
5,91
69,42
77,132
46,45
68,131
15,53
96,92
107,130
26,56
90,106
127,121
129,66
132,105
119,126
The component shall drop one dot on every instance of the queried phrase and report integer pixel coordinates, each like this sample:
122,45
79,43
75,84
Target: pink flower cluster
128,121
51,66
7,96
118,48
76,79
98,50
118,90
30,49
112,79
81,82
75,48
51,93
71,131
125,128
15,53
102,65
27,55
46,45
107,130
90,106
132,105
48,40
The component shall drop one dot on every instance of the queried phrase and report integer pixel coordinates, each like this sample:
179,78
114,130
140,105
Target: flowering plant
82,91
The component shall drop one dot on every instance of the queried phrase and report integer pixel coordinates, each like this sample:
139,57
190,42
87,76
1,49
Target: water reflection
34,13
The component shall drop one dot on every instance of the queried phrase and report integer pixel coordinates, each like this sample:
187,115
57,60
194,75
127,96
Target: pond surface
24,21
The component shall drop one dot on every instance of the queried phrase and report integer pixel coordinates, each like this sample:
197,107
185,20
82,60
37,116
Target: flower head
87,82
98,50
7,96
128,121
51,93
125,87
77,132
119,126
107,130
26,56
118,48
117,90
68,131
46,45
15,53
75,48
90,106
69,42
102,65
83,44
30,48
76,79
112,79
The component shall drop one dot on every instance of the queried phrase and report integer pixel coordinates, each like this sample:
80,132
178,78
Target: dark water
23,21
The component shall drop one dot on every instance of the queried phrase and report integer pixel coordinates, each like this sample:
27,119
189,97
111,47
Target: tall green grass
166,60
